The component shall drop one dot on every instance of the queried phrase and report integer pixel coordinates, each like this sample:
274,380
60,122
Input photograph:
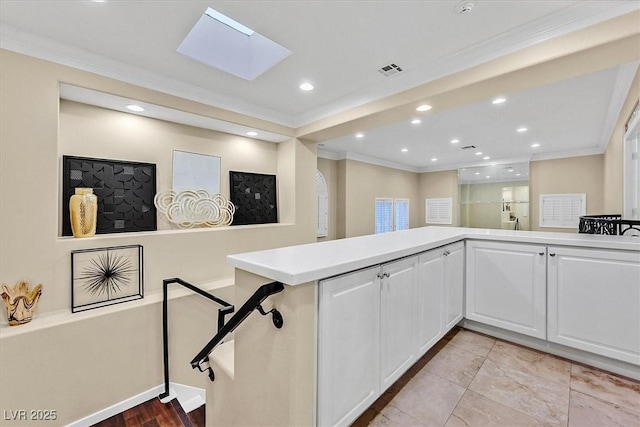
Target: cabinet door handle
540,253
446,253
386,274
552,254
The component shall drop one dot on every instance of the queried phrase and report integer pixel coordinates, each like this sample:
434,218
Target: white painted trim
190,397
366,159
592,359
187,396
580,15
62,317
26,43
573,18
117,408
626,73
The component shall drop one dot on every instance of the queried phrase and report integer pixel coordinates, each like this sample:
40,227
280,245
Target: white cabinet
439,294
429,311
348,346
365,338
453,285
594,301
398,296
506,286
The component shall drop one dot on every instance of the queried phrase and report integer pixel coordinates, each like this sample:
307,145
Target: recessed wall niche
102,133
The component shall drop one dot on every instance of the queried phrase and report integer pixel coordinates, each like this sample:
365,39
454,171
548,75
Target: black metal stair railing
253,303
222,312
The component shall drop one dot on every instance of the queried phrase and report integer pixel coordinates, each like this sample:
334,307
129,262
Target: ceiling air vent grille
390,70
468,147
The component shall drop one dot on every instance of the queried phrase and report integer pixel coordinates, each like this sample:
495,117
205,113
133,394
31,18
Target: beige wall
613,157
364,182
434,185
570,175
107,355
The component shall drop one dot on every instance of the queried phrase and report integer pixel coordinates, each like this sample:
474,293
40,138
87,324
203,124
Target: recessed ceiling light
252,133
510,170
486,158
306,86
522,129
477,173
99,1
478,153
434,159
487,176
359,135
416,121
536,145
136,108
498,100
455,141
404,150
464,169
517,174
424,107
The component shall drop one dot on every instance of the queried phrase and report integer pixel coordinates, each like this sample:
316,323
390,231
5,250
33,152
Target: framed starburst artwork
105,276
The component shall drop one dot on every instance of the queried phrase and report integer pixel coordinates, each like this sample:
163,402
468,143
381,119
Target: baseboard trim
190,398
605,363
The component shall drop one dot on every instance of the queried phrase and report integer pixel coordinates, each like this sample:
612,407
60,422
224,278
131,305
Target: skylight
223,43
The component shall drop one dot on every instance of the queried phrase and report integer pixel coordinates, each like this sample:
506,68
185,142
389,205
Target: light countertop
295,265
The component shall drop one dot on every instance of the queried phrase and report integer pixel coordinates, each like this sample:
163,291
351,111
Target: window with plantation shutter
401,211
384,215
562,210
438,211
391,214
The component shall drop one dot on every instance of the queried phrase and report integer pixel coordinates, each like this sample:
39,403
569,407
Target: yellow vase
83,207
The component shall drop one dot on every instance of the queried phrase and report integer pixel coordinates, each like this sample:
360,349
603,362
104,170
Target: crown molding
346,155
626,73
571,19
26,43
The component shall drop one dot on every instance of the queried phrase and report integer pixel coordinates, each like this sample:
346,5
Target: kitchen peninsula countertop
295,265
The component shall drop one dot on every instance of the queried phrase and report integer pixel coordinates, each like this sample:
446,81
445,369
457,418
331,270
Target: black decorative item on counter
254,196
608,224
125,193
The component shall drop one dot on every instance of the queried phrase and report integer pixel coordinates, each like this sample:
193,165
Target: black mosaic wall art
125,193
254,196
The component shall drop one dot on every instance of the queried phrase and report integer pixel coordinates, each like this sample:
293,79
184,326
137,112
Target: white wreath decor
191,208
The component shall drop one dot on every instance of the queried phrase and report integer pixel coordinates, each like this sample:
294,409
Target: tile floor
469,379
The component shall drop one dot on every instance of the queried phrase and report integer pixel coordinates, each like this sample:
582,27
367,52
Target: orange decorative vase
83,209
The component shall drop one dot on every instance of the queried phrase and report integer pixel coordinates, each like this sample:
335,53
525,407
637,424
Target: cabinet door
506,286
594,301
429,300
453,285
397,320
348,346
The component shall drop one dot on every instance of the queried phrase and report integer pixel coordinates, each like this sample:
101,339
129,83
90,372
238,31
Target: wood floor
154,413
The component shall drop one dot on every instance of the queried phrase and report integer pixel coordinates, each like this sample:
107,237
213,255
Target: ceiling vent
390,70
468,147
